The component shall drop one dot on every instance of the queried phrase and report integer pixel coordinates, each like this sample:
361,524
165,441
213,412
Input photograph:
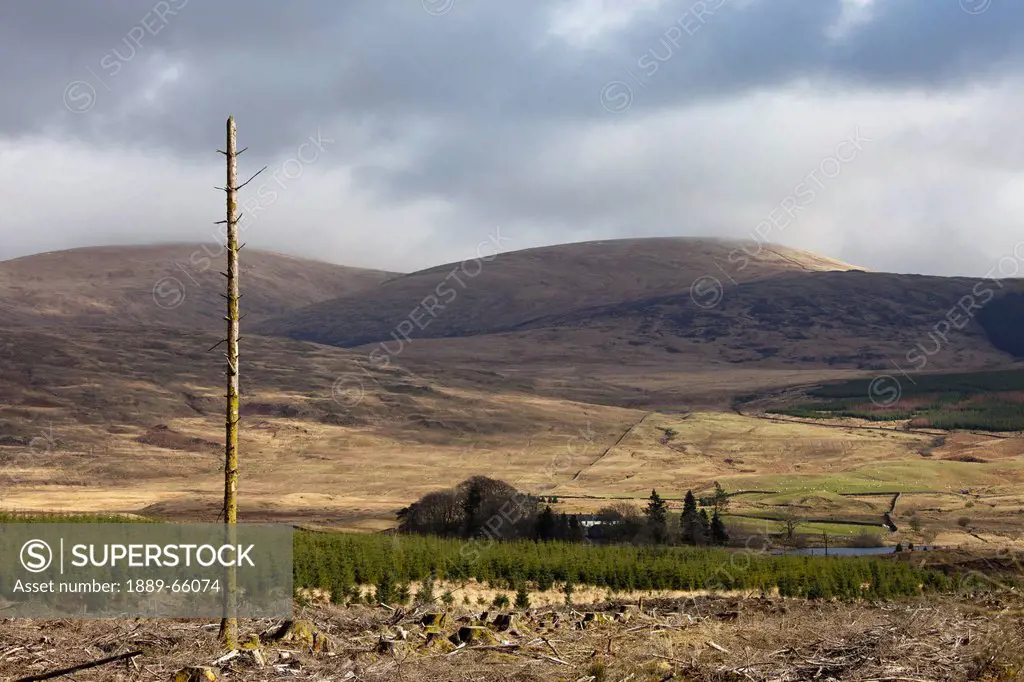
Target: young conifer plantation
338,562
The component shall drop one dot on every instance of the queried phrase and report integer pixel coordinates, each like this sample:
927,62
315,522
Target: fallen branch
552,647
718,647
491,647
77,668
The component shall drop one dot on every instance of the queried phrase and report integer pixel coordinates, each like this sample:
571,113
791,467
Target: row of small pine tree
337,562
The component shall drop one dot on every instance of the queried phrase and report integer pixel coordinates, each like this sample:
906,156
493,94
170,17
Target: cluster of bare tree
477,506
482,506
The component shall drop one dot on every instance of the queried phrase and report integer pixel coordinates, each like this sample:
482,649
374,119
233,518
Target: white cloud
854,13
582,23
59,194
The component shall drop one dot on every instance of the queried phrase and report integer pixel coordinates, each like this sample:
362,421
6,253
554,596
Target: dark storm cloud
292,65
287,66
481,107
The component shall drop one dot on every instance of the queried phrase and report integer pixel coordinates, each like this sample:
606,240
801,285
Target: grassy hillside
164,285
511,289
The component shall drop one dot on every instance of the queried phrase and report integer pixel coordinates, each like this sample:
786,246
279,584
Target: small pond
850,551
842,551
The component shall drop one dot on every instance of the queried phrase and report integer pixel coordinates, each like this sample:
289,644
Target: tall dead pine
229,623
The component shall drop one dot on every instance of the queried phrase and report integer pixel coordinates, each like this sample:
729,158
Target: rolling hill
106,419
846,319
576,313
109,421
560,369
516,288
170,285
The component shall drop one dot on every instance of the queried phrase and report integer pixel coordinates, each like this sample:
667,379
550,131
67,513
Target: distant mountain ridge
612,301
516,287
173,285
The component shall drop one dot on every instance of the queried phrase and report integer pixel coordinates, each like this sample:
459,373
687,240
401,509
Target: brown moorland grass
115,422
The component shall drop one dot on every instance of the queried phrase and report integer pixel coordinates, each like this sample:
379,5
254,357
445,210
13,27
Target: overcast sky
440,121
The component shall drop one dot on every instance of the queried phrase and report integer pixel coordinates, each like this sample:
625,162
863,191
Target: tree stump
473,634
195,674
305,633
439,620
503,621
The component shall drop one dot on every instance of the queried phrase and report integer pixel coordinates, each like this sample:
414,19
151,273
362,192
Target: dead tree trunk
229,623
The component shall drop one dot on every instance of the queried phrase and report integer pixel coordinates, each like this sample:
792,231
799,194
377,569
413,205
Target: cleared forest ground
715,638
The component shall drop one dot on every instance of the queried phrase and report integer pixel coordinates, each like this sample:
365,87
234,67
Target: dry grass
706,639
471,594
121,408
116,408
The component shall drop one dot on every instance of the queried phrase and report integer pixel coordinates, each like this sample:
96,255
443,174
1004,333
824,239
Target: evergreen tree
546,525
384,589
719,535
690,526
657,517
562,527
700,528
689,503
545,580
426,596
522,597
576,531
719,498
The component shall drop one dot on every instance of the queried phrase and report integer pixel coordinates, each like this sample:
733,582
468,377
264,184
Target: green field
772,525
922,475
